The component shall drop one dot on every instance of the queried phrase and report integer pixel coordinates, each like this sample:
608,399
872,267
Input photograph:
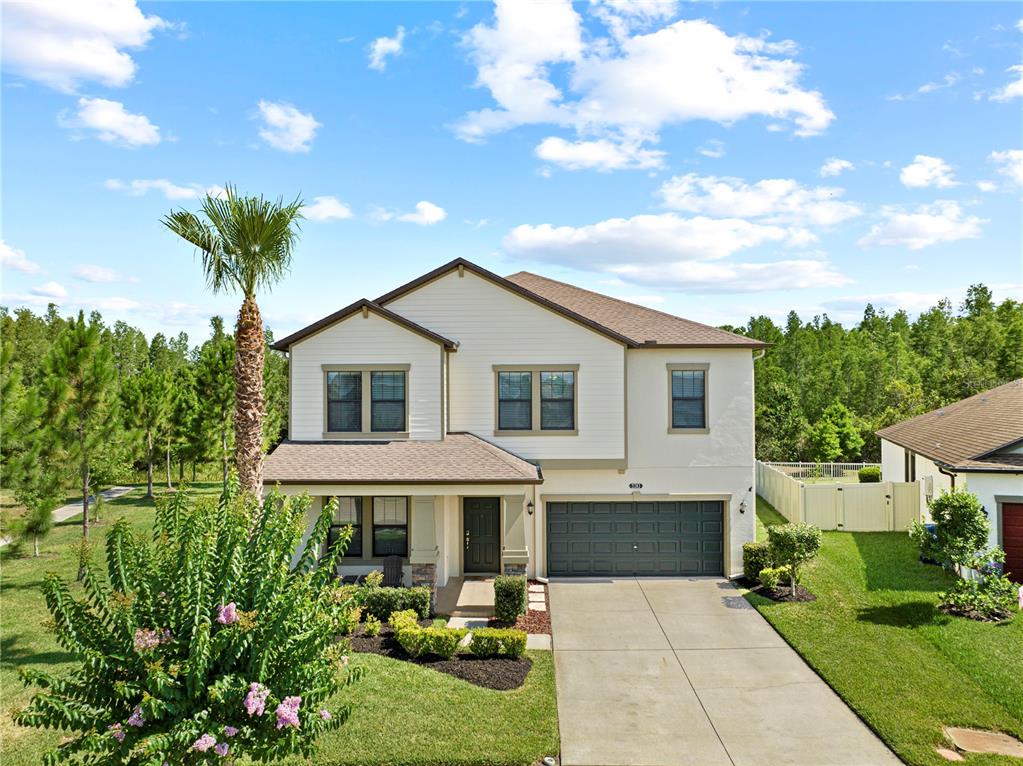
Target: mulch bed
784,593
499,673
532,621
972,614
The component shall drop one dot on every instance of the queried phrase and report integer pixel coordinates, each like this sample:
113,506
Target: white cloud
622,17
383,47
16,260
170,190
948,81
833,166
112,123
1010,90
90,272
62,44
927,171
286,128
326,209
714,148
987,186
601,154
928,225
427,214
627,90
1010,164
50,290
720,277
776,200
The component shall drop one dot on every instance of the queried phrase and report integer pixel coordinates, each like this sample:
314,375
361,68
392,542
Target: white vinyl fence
887,506
822,471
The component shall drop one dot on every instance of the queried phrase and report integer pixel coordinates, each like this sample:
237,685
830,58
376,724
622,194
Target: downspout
949,474
759,354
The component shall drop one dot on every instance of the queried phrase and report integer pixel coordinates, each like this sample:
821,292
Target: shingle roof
459,458
645,326
965,434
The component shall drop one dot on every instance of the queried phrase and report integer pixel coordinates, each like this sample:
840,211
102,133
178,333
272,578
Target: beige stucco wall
988,486
893,468
366,341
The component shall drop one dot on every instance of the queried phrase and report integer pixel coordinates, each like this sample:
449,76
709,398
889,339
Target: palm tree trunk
248,402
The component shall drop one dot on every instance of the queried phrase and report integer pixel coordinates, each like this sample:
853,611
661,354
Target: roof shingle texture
961,434
639,323
458,458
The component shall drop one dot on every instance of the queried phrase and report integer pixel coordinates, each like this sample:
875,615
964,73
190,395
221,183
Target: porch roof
460,458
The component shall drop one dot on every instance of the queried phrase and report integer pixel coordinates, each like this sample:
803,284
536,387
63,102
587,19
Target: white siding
358,341
932,481
495,326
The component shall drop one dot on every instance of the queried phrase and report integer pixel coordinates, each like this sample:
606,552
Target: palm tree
246,245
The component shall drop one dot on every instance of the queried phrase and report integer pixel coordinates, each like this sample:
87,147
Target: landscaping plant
509,597
869,474
419,642
497,642
770,577
372,626
755,557
382,602
792,545
203,643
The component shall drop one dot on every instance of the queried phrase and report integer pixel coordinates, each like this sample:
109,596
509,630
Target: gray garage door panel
635,538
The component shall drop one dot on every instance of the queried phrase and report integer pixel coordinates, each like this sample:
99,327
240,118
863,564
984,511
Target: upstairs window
688,398
365,401
557,401
388,401
536,400
514,401
344,401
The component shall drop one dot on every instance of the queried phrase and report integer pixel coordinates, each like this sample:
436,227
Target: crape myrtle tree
201,643
246,245
80,393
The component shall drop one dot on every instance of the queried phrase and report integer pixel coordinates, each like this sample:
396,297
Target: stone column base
426,574
515,569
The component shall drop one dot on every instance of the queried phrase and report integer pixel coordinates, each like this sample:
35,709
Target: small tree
203,639
147,403
960,529
214,382
793,545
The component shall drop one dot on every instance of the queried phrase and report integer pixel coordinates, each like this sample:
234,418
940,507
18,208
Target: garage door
635,538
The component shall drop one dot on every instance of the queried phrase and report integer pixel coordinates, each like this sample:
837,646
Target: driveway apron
672,672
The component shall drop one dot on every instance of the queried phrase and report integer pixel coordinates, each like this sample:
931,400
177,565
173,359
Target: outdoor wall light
529,507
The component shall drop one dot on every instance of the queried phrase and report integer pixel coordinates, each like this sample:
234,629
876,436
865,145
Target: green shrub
404,619
372,626
381,602
960,529
989,597
348,620
204,629
419,642
869,474
792,545
770,577
755,556
494,642
509,597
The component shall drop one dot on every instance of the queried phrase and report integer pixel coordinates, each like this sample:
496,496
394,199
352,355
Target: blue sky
713,161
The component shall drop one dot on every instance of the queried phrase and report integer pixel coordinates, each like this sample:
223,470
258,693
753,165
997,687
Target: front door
482,534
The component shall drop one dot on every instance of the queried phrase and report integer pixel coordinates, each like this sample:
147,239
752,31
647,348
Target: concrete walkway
65,512
654,672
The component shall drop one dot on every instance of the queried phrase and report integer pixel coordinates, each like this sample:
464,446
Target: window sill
688,430
363,436
532,432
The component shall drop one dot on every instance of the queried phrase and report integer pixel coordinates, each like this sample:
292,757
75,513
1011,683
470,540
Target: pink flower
325,715
230,731
136,718
146,639
204,743
227,615
115,730
221,749
287,712
255,700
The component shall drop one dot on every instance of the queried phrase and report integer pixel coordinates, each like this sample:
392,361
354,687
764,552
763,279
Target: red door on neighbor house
1012,539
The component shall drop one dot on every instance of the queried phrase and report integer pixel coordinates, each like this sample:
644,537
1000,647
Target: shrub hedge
382,602
869,474
419,642
494,642
509,597
755,557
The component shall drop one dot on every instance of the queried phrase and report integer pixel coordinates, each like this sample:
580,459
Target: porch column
514,552
423,549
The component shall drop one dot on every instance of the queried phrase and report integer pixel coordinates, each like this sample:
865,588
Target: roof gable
362,305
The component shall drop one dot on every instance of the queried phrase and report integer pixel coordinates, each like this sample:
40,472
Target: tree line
822,390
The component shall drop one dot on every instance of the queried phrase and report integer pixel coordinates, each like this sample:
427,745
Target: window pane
515,385
344,385
557,415
390,541
687,413
687,383
388,386
557,385
514,415
347,511
344,416
388,416
390,510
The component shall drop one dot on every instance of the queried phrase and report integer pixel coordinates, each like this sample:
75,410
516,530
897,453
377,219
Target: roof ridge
629,303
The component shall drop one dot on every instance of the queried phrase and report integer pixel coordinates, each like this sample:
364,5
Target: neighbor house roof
645,326
459,458
969,435
360,305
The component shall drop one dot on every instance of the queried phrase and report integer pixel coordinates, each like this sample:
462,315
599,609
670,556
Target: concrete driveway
685,671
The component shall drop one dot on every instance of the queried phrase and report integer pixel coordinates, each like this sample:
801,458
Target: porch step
536,589
538,641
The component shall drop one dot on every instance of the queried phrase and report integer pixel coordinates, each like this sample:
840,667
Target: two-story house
473,423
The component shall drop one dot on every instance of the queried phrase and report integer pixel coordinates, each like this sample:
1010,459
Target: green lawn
404,714
875,636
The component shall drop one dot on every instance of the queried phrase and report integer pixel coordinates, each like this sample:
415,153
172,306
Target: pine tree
147,400
215,390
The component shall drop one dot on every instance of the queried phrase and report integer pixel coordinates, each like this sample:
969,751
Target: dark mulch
973,614
499,673
784,593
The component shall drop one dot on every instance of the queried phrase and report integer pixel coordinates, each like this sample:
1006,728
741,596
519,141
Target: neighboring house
977,444
477,424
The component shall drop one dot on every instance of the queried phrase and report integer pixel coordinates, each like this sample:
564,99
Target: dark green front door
635,538
482,534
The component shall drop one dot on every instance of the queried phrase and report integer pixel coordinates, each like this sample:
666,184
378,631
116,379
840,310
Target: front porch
467,597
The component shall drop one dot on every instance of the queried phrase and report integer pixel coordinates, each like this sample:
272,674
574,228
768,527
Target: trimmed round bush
755,557
869,474
509,597
793,545
496,642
